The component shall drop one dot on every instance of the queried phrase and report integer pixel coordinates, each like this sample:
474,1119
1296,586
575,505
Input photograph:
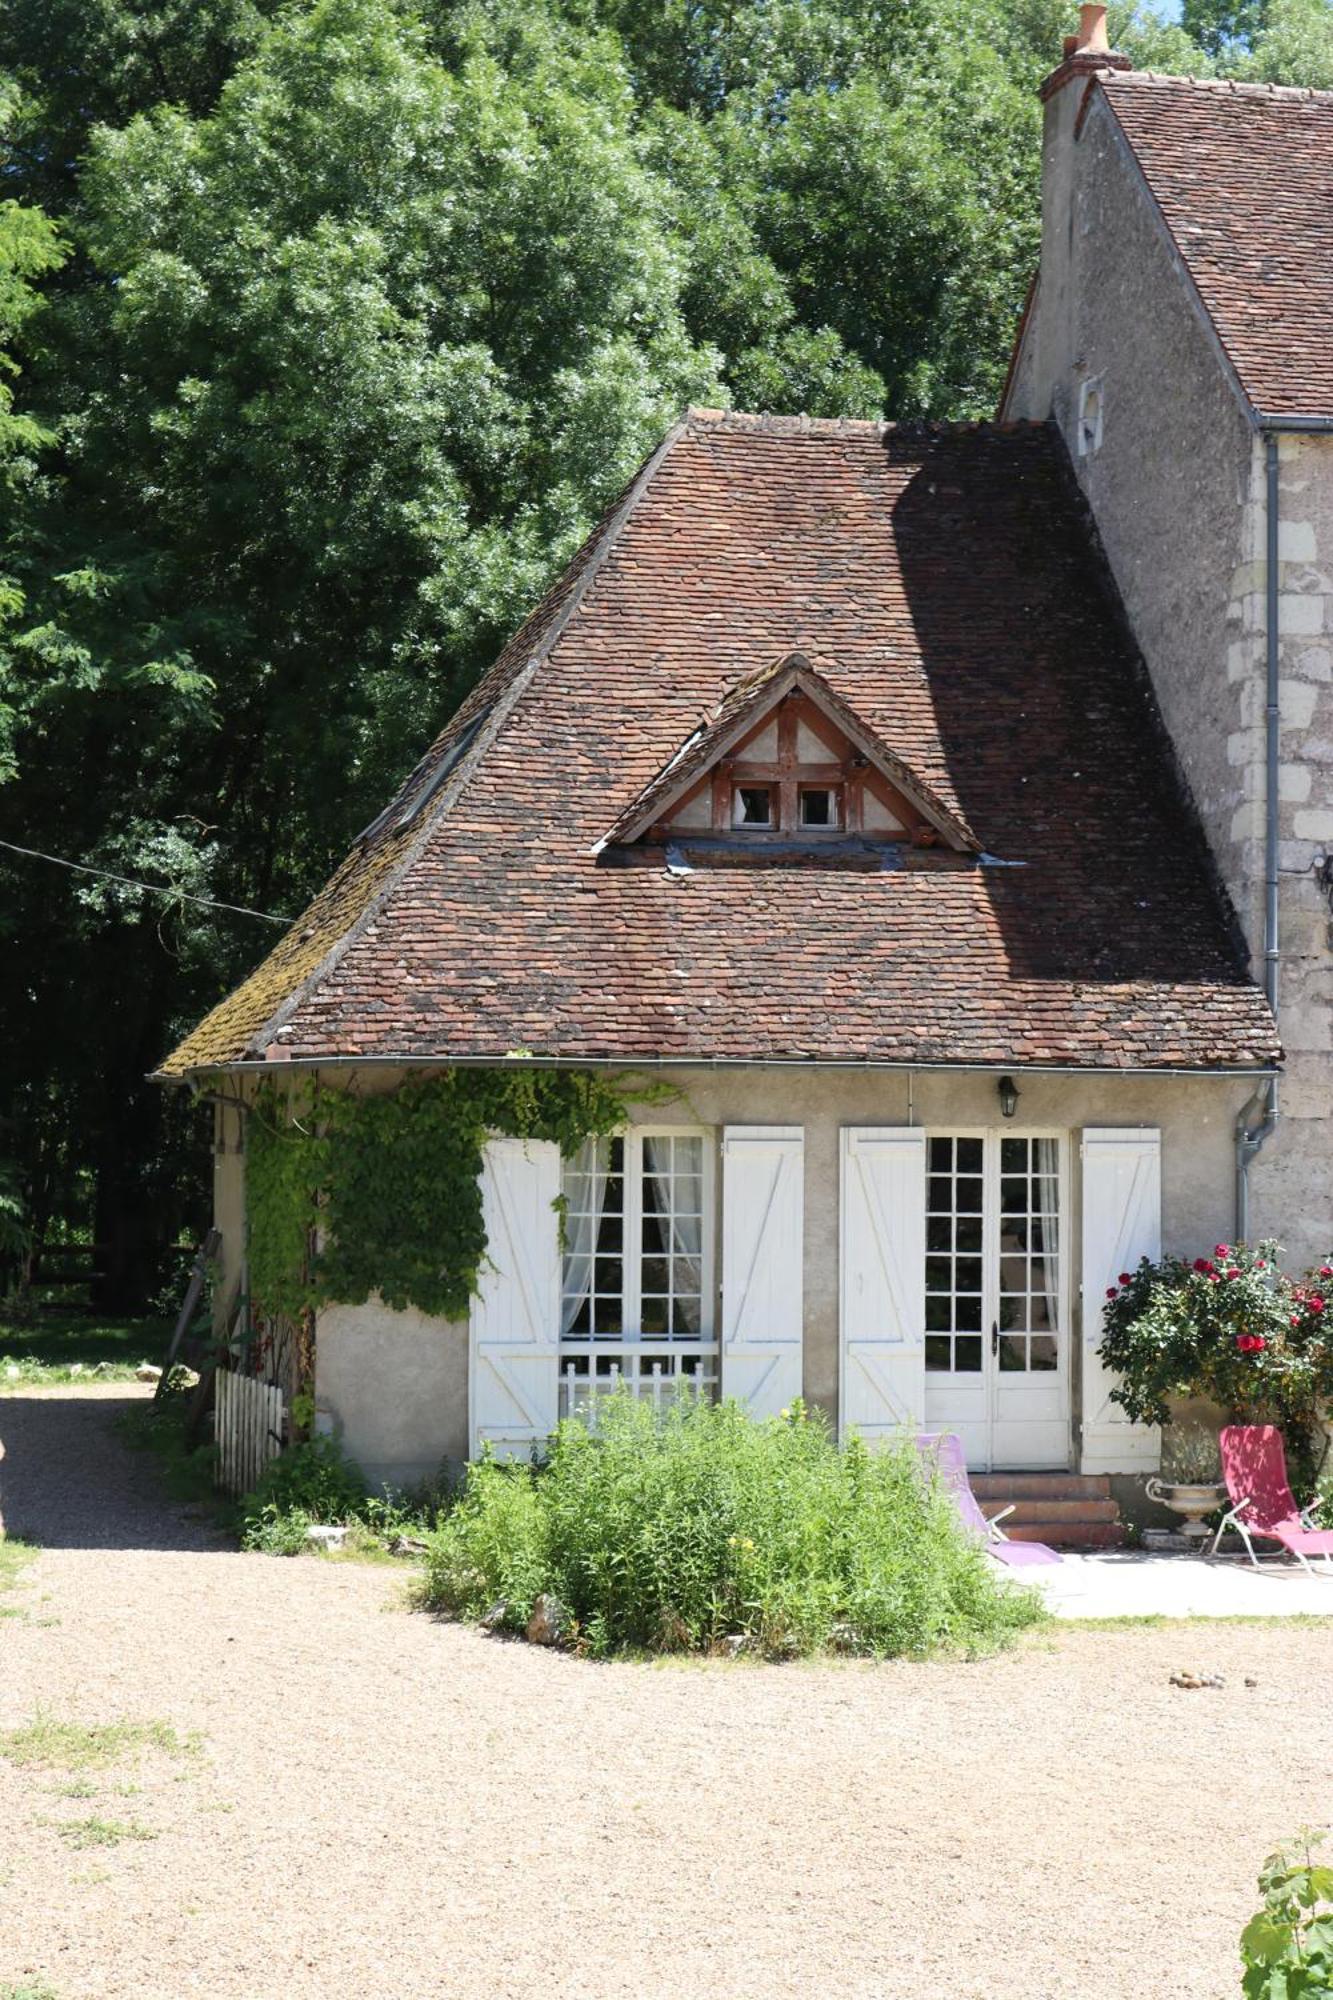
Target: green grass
29,1989
96,1832
1129,1620
50,1743
69,1347
15,1555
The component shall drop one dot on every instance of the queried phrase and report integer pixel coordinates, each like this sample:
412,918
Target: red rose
1123,1278
1221,1250
1110,1291
1214,1278
1232,1272
1326,1270
1257,1343
1316,1305
1202,1264
1295,1319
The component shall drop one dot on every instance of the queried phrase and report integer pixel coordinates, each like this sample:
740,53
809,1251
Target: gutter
289,1065
1251,1137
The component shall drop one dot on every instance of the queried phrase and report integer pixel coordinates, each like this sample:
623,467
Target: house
895,795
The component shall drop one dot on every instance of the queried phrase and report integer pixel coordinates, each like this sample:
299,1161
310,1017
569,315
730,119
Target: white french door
996,1311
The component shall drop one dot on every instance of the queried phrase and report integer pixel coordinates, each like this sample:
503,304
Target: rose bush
1232,1327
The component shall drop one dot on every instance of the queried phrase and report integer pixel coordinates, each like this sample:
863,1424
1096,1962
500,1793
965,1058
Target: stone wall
1177,489
1292,1180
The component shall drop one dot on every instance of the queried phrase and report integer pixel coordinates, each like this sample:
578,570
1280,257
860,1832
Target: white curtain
584,1189
681,1236
1048,1168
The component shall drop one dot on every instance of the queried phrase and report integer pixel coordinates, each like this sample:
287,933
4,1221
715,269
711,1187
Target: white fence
247,1430
593,1369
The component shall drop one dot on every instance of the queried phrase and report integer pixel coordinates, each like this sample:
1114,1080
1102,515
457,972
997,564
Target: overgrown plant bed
703,1530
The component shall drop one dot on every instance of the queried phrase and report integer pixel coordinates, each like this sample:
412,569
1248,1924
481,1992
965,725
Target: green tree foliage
369,308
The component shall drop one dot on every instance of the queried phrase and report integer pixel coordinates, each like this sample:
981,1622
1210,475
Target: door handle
995,1336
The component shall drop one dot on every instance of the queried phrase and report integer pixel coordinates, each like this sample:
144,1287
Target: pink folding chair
943,1455
1254,1466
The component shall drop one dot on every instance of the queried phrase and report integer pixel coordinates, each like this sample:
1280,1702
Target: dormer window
819,806
752,807
783,770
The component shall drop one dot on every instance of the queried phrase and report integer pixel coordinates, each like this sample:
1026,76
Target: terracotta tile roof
945,585
1243,175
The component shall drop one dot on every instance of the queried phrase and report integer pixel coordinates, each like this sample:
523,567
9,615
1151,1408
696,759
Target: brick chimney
1049,343
1086,52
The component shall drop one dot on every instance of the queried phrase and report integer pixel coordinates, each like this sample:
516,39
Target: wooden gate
248,1429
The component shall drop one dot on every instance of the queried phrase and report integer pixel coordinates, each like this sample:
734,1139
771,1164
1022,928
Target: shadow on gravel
68,1480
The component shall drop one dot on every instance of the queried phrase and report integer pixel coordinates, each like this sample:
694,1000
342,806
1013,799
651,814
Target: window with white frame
636,1300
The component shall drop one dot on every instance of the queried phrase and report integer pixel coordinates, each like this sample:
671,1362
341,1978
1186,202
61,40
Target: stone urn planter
1194,1500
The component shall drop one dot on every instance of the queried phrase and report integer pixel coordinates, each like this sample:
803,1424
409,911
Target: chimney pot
1092,37
1070,44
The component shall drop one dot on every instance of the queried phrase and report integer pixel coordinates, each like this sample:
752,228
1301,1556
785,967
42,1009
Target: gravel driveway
389,1808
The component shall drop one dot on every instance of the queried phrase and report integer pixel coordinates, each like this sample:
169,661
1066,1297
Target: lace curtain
585,1197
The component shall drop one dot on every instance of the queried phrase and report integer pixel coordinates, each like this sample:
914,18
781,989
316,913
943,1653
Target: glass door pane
956,1394
1030,1410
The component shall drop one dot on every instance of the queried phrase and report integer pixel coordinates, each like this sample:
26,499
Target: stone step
1070,1534
1041,1486
1033,1512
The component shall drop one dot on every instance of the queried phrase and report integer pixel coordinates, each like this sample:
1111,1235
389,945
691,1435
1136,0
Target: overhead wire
152,888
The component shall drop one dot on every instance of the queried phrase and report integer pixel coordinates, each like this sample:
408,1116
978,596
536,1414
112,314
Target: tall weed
673,1533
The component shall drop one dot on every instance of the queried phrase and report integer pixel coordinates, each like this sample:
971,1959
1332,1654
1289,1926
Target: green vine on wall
387,1185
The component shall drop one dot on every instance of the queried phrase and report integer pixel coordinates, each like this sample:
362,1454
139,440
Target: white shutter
513,1377
763,1307
883,1281
1122,1222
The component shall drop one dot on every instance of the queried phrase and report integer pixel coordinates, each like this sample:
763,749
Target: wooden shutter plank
1122,1222
763,1307
882,1289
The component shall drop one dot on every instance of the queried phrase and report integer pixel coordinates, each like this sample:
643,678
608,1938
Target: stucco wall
1177,489
228,1207
1195,1116
394,1385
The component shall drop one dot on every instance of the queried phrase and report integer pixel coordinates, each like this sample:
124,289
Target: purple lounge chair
1254,1466
942,1453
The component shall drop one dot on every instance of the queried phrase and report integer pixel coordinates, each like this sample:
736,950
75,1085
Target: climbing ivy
349,1194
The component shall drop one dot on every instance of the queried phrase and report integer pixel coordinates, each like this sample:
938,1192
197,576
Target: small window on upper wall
1091,403
819,805
752,806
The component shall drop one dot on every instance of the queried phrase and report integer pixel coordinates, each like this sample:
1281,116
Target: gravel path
386,1808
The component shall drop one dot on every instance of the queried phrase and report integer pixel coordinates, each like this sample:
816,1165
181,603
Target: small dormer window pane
819,805
753,806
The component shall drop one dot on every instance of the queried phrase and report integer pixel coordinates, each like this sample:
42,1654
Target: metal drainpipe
1250,1138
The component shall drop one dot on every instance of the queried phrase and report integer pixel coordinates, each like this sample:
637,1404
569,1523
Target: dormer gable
784,761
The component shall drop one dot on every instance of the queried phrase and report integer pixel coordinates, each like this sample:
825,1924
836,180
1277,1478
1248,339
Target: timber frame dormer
784,760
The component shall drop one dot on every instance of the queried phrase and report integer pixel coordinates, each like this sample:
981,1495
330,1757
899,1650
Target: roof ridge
773,423
1219,86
